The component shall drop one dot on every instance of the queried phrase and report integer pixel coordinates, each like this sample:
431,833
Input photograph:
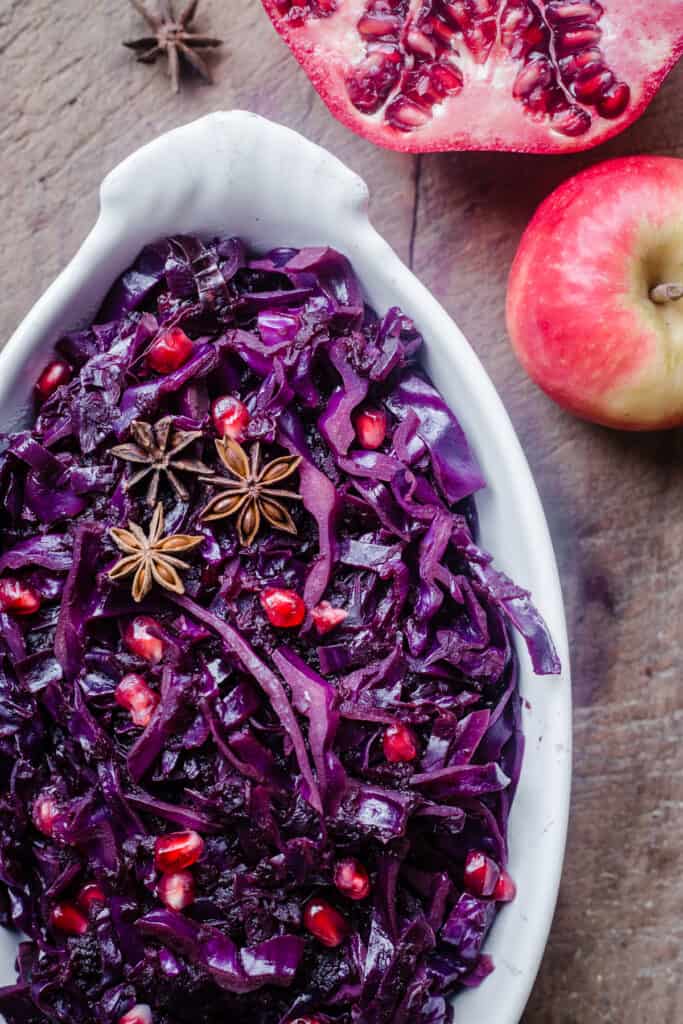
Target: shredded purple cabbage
267,742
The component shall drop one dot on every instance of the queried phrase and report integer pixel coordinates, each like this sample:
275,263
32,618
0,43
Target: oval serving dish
239,174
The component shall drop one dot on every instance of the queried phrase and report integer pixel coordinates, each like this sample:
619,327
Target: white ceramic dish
235,172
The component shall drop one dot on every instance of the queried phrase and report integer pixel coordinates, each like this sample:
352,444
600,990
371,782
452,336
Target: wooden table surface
74,104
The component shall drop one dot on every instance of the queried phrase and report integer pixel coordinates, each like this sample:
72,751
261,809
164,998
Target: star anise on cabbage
174,37
249,492
151,558
157,450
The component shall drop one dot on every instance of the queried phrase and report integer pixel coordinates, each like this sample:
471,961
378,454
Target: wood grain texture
75,103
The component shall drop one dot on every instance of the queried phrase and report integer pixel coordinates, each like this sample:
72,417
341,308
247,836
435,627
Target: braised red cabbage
274,745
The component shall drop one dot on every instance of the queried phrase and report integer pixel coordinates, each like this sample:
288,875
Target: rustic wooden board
74,103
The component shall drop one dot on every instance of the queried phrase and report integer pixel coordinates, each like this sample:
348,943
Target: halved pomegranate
538,76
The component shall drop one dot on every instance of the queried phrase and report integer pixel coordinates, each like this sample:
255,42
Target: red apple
594,305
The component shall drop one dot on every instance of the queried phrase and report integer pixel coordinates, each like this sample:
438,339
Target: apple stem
663,293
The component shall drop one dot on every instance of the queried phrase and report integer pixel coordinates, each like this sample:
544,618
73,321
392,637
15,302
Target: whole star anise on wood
249,490
173,36
157,449
151,557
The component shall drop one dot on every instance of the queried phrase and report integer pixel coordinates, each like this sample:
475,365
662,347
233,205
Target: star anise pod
249,490
151,557
157,449
173,36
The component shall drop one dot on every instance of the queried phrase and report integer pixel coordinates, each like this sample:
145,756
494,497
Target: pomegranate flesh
537,76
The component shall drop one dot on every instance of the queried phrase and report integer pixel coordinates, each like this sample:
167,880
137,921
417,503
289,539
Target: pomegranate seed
178,850
370,82
230,417
90,895
374,26
352,879
284,608
136,696
371,427
481,874
326,617
18,598
405,115
53,376
399,744
305,1020
572,121
615,100
140,638
325,923
45,813
505,890
587,87
569,40
170,350
139,1014
176,891
67,918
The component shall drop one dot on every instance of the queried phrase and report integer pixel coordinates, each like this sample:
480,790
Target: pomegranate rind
485,115
579,315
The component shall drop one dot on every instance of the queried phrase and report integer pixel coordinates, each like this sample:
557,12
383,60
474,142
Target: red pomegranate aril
537,74
325,923
45,813
169,351
17,597
446,79
67,918
580,63
405,115
136,696
443,33
371,427
230,417
429,85
178,850
571,39
399,743
283,608
520,44
614,101
141,1013
572,121
91,895
480,38
176,890
326,617
419,43
53,376
481,874
351,878
305,1020
587,88
140,637
370,82
572,10
505,890
374,26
